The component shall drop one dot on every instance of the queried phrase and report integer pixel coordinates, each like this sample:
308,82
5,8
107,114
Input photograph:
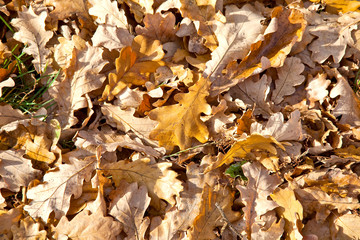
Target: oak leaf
348,226
241,149
88,226
289,76
158,27
202,13
113,30
128,206
209,216
333,38
287,25
316,89
32,33
179,123
235,36
161,182
255,194
15,170
57,188
291,210
134,65
8,219
81,77
254,93
140,8
348,104
9,114
28,229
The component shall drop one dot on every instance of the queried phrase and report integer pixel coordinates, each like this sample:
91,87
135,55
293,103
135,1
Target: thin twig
227,222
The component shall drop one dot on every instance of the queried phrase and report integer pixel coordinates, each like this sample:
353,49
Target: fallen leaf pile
184,119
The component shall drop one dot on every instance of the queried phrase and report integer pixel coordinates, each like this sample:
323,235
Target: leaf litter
182,120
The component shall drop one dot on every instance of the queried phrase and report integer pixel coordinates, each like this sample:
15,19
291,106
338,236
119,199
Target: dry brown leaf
128,206
29,229
245,122
291,211
159,180
8,219
348,226
70,8
140,8
125,121
110,141
275,126
32,33
9,114
113,31
241,149
289,76
6,83
254,93
158,27
348,104
202,13
179,123
81,77
134,66
255,195
333,38
288,25
88,226
58,186
235,36
15,170
209,216
316,89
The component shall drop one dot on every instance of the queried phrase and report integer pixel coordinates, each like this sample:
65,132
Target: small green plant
27,93
235,170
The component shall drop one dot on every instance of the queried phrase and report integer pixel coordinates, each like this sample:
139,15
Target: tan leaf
316,89
289,26
8,219
134,66
254,142
333,38
255,195
32,33
125,121
202,13
348,226
113,31
6,83
289,76
291,211
57,188
158,27
281,131
71,8
159,180
129,206
140,8
81,77
209,216
29,229
179,123
315,200
348,104
8,115
110,141
235,36
88,226
15,170
254,93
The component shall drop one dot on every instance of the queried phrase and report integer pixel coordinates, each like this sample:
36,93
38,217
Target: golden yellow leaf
179,123
134,66
243,147
350,151
291,211
344,6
